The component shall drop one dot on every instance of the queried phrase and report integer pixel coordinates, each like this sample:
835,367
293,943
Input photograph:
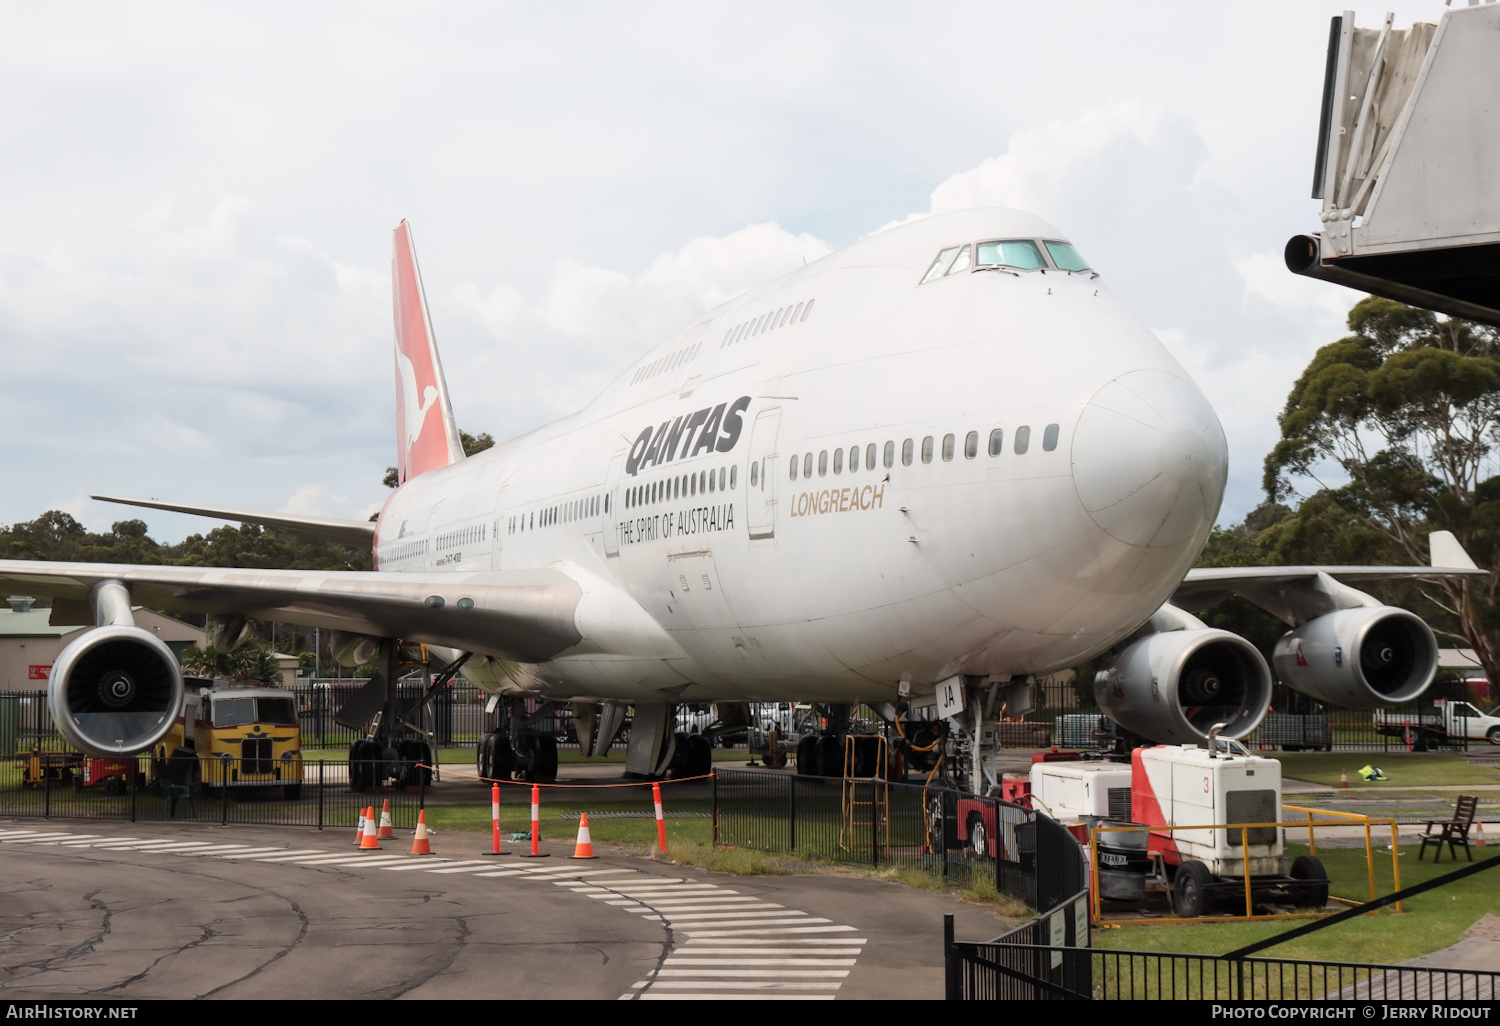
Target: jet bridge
1408,164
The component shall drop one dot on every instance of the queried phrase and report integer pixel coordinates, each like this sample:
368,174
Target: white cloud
715,270
316,500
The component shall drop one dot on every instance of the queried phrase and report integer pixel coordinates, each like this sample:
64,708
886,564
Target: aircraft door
501,522
609,512
760,482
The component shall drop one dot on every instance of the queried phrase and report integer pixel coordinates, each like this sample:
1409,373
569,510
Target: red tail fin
426,434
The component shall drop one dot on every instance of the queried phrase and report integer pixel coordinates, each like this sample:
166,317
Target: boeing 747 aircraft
944,459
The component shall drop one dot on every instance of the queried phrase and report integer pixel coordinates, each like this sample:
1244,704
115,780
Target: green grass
560,820
1428,922
1403,769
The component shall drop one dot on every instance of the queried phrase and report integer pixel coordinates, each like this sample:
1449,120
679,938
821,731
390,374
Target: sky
197,202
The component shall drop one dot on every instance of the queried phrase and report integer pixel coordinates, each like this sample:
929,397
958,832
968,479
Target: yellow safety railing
1338,819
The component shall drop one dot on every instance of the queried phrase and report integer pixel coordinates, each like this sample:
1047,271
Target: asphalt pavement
141,911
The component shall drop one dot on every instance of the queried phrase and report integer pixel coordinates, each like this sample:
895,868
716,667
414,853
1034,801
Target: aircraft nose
1149,459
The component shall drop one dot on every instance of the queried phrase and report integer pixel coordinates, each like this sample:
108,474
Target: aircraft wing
524,615
1299,593
358,533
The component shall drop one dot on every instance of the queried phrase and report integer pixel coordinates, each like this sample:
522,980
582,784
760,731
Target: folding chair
1454,832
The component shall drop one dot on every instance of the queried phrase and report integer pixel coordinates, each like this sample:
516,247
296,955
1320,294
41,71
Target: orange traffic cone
359,829
370,842
420,844
584,848
387,829
1479,834
1343,778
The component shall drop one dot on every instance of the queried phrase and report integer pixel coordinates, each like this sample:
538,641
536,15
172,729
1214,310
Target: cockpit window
961,262
1019,253
1066,257
939,265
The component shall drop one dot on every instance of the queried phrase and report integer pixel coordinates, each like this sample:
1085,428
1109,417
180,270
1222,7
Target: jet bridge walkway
1408,164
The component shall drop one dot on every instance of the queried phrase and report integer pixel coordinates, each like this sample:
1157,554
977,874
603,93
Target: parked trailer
1449,723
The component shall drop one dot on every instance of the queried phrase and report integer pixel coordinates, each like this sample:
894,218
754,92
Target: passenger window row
704,482
463,536
666,363
406,550
578,509
768,322
872,457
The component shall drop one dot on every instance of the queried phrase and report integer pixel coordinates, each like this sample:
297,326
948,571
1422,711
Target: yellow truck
244,735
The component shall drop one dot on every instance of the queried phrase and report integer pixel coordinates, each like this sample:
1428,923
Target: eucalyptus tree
1405,411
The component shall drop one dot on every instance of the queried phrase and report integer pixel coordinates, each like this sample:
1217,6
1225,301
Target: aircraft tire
502,758
830,757
807,757
700,761
362,765
484,756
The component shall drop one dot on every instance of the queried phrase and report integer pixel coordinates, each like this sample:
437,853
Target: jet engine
1174,685
1361,658
115,691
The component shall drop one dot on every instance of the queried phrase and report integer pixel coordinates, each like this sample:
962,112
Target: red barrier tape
522,783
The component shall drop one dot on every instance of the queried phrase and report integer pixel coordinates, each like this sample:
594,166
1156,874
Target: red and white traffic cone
583,848
359,829
387,828
1479,834
661,822
1343,778
420,845
370,842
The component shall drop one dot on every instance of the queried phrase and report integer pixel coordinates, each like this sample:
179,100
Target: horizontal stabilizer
357,533
1445,550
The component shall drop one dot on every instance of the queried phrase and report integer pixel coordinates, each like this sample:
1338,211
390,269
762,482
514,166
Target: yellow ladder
866,820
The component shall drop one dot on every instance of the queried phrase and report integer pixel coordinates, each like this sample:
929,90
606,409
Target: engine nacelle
1361,658
1173,686
115,691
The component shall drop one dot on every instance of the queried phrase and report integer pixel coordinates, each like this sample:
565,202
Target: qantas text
711,429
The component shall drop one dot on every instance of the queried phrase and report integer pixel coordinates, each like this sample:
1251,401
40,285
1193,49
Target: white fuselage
838,585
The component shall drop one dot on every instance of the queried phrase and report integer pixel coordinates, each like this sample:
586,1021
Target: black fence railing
1040,960
1066,716
1044,959
1164,976
221,791
934,831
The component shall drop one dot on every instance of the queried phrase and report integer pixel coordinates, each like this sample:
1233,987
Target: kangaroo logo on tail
419,373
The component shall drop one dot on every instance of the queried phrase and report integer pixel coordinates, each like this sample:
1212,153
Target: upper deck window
1066,257
939,265
1021,254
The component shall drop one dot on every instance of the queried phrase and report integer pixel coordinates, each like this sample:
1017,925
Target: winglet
1444,550
426,433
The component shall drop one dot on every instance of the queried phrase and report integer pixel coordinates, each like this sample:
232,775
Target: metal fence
454,718
134,790
934,831
1044,959
1066,715
1003,969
